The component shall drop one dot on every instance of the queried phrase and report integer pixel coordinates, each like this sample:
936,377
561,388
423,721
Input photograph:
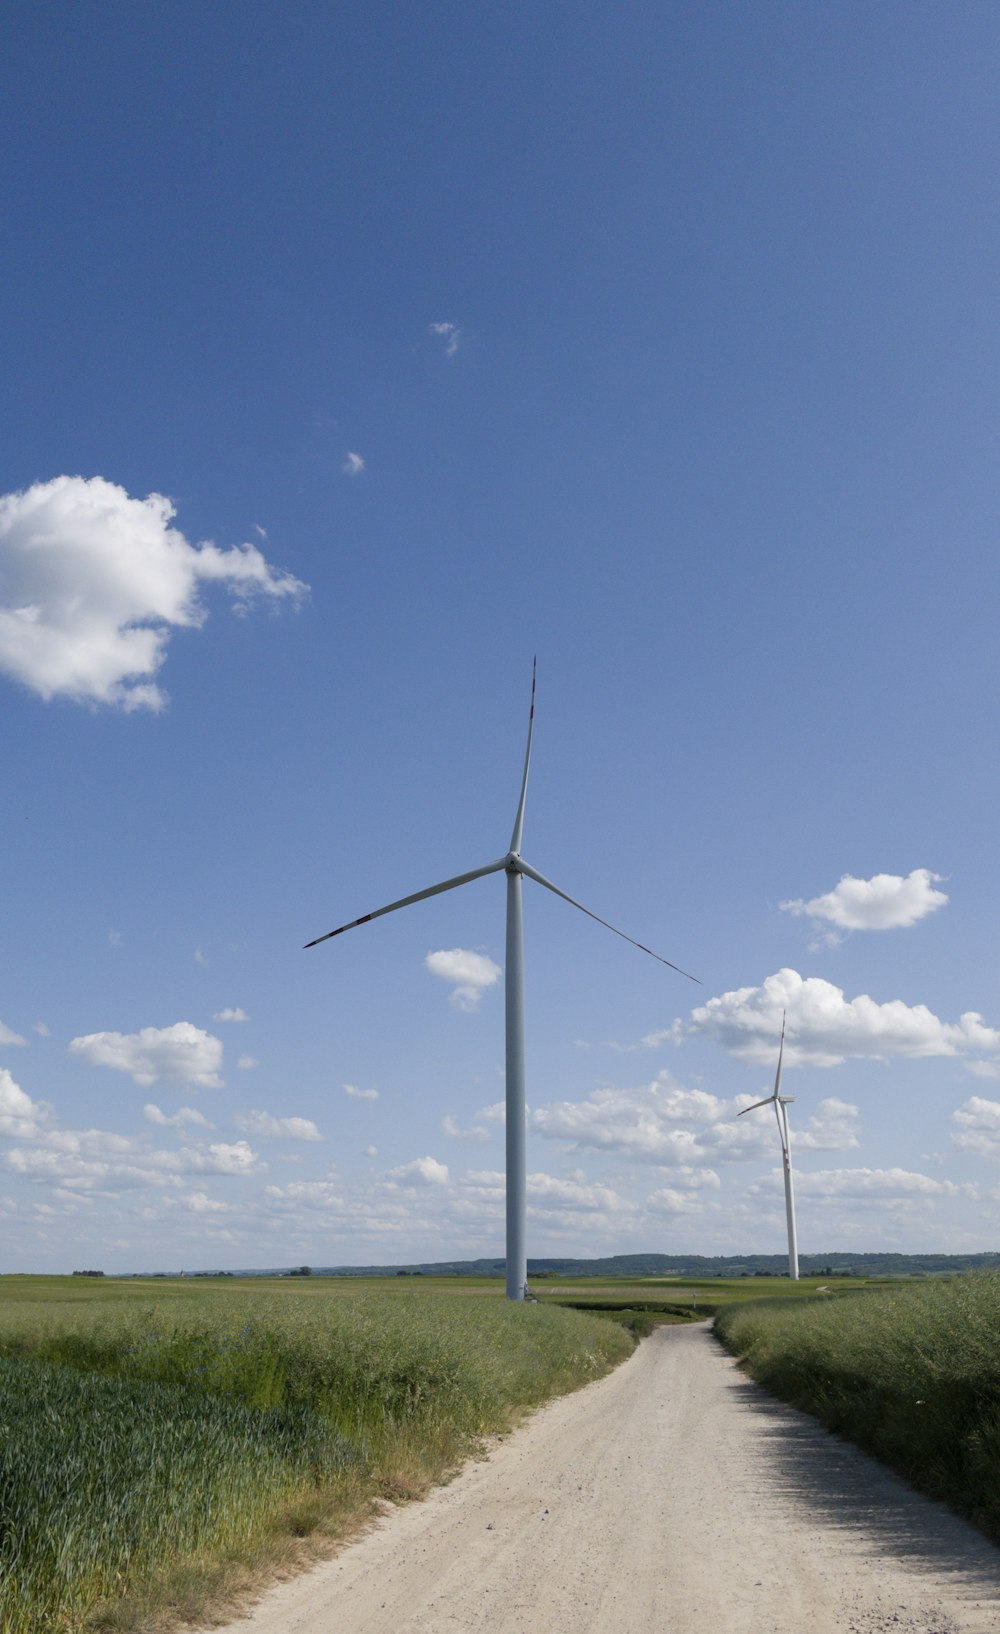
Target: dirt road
672,1497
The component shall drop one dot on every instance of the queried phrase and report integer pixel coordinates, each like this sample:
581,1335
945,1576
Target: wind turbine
779,1102
514,866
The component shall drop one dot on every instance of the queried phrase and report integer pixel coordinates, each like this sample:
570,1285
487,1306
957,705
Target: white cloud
103,1162
41,1029
93,583
884,902
19,1116
683,1129
861,1185
357,1094
183,1052
667,1200
184,1116
262,1123
423,1171
450,334
8,1036
223,1157
231,1015
833,1127
452,1130
824,1028
353,465
471,973
116,938
978,1127
575,1194
245,1062
371,1151
199,1202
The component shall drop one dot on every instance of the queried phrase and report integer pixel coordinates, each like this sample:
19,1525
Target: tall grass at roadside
193,1425
912,1374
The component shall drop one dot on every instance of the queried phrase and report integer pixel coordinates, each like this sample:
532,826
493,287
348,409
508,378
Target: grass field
155,1437
909,1371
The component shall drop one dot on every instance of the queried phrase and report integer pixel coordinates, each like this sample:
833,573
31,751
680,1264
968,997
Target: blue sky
659,341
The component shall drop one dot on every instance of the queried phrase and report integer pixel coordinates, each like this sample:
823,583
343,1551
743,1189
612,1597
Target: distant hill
671,1265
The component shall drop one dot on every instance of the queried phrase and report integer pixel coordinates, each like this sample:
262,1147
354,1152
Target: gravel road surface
672,1497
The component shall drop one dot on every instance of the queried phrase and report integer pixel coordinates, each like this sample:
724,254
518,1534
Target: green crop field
910,1371
156,1436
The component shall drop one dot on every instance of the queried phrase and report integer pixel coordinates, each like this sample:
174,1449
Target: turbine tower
515,867
779,1102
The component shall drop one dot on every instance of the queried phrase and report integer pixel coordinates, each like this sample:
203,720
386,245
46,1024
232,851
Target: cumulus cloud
231,1015
834,1126
884,902
353,465
357,1094
19,1115
182,1052
423,1171
100,1161
199,1202
450,334
454,1132
548,1192
978,1129
224,1157
824,1028
861,1185
471,974
93,582
668,1200
184,1116
262,1123
683,1129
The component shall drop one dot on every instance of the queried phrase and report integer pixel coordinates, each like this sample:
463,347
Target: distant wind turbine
779,1102
513,865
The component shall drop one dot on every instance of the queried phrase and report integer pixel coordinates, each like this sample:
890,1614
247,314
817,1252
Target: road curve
672,1497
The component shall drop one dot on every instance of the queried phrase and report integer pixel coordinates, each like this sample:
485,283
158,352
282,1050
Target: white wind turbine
513,865
779,1102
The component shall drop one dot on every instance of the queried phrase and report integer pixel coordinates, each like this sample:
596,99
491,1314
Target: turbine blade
418,896
515,839
756,1104
540,879
781,1051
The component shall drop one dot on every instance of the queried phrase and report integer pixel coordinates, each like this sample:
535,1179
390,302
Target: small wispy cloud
454,1132
116,938
262,1123
8,1036
177,1120
231,1015
353,465
357,1094
450,334
245,1062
